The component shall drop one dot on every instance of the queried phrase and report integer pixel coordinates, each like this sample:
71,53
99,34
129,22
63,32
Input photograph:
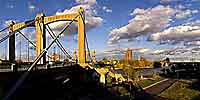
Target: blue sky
158,26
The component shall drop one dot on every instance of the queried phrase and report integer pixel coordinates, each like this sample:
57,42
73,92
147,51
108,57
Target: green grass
181,91
147,82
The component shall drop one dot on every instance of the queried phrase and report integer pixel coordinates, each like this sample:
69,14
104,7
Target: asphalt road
159,87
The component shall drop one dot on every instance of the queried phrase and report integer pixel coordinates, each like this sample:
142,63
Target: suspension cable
26,38
23,77
31,42
58,42
88,48
13,32
4,38
60,46
52,34
4,29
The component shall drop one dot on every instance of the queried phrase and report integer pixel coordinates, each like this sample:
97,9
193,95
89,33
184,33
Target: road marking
155,84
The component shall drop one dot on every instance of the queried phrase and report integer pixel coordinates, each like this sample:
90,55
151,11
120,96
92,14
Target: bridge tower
81,37
39,23
40,36
11,43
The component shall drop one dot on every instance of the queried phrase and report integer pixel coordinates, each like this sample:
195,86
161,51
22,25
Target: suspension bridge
14,73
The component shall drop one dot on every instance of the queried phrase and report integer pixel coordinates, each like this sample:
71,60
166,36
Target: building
91,55
128,55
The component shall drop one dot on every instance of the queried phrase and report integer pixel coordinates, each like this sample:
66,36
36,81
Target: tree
157,64
130,72
104,60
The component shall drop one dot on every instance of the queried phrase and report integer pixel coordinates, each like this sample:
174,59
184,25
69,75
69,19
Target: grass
147,82
181,91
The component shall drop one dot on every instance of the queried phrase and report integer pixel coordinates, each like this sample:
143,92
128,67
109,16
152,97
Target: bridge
16,70
80,71
41,25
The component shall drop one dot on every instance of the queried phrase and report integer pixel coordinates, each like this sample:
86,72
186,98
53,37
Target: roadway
157,88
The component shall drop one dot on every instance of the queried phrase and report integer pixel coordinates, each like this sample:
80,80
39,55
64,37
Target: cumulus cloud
31,7
187,33
178,33
148,51
92,20
143,50
149,20
193,43
154,21
10,6
91,2
106,9
168,1
181,14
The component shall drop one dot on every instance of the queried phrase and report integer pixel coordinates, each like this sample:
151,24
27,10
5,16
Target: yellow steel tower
39,24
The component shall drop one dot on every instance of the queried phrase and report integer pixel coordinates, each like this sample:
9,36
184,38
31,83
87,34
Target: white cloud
168,1
185,13
143,50
10,6
146,21
92,20
106,9
158,51
193,23
193,43
138,11
180,7
31,7
178,33
90,2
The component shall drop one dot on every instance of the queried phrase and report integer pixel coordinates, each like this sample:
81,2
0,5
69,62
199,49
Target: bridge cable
13,32
52,34
58,41
30,41
4,29
24,76
6,37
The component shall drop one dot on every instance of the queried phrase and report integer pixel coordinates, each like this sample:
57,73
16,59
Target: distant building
91,55
75,55
128,55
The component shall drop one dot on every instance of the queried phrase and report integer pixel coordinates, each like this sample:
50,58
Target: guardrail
9,68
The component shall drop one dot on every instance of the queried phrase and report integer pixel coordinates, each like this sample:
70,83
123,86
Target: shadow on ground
65,83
